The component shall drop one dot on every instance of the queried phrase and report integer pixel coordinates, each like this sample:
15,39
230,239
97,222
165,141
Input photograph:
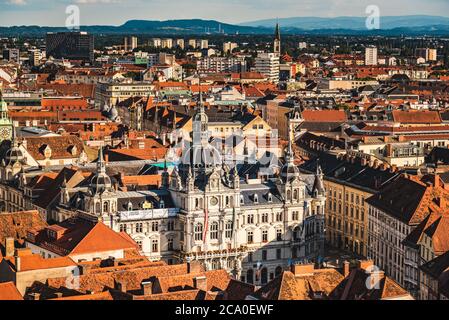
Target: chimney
58,294
363,162
147,287
194,267
436,181
346,269
106,157
121,286
302,269
365,264
9,247
85,268
35,296
17,263
200,283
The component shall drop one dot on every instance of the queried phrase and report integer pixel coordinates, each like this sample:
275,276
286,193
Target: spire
101,167
277,32
277,40
200,121
14,140
318,185
289,156
64,182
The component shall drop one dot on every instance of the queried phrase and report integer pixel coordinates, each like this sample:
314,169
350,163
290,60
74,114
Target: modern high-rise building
204,44
180,43
12,55
221,64
229,46
155,42
192,43
268,65
433,55
371,56
70,45
34,57
426,53
167,43
130,43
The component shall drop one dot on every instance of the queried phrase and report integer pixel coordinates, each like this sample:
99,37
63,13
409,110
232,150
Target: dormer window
256,198
242,200
270,197
162,204
130,206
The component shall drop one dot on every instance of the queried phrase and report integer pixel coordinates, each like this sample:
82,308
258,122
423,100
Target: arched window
199,232
97,207
215,264
214,231
264,276
289,195
228,230
278,271
295,194
105,206
265,217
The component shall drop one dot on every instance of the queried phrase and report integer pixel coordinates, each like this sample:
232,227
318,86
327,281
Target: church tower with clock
5,122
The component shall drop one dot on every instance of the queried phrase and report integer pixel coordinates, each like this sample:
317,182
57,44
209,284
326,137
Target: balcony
214,254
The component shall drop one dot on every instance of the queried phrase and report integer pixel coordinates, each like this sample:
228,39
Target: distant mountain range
401,25
352,23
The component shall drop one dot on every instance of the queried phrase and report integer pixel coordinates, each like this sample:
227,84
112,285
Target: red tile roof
81,237
17,224
8,291
416,117
324,115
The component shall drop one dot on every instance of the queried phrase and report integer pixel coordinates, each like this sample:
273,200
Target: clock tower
6,126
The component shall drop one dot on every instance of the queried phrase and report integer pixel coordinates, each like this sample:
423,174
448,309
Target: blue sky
116,12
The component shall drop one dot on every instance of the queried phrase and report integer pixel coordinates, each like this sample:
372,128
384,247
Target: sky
117,12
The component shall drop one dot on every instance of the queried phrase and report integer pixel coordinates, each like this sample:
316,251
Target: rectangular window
250,237
264,236
214,231
155,246
264,255
279,234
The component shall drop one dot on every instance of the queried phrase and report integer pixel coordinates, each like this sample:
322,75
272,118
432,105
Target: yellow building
346,217
349,179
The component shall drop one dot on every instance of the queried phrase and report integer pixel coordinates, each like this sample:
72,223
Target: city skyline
117,12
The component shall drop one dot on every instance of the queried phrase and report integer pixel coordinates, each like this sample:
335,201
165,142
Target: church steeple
277,40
